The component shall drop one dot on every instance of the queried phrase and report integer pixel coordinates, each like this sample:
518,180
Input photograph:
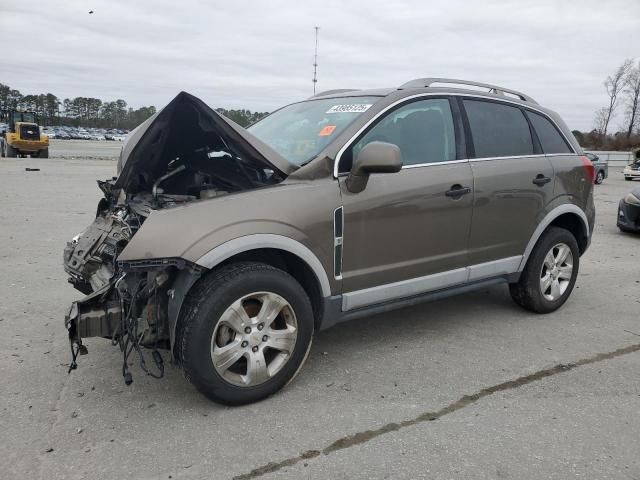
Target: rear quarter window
549,136
498,130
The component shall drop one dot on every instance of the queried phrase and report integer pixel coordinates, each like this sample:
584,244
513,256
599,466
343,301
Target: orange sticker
327,130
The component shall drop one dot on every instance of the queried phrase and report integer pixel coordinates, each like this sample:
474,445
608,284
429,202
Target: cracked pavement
581,421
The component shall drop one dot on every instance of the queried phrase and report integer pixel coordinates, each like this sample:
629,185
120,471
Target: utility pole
315,63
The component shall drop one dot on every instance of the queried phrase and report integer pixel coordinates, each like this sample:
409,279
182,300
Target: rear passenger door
513,183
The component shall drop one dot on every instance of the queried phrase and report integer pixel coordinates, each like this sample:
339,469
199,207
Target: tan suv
231,247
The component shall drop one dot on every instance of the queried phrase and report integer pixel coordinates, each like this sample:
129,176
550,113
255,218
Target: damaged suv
231,247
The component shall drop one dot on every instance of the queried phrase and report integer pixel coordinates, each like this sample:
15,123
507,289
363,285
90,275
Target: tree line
623,91
77,112
94,112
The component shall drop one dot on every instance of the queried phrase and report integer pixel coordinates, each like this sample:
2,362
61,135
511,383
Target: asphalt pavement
470,387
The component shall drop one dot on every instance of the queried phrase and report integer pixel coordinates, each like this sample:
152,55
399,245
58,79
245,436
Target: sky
259,54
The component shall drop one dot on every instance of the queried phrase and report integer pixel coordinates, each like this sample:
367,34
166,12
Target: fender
267,240
219,254
546,221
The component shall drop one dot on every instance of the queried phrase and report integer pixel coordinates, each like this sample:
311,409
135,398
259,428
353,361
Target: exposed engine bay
185,153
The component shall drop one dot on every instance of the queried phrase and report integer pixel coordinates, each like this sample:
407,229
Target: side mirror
375,157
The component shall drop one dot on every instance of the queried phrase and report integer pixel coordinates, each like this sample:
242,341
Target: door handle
457,191
541,180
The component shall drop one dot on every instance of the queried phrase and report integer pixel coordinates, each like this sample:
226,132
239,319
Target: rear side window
548,134
498,130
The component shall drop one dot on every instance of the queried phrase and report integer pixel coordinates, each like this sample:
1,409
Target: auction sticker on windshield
327,130
353,108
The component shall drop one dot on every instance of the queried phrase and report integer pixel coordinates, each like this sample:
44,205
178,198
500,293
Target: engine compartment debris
185,153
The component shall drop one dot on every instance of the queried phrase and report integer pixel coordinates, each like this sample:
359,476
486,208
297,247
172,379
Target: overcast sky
259,54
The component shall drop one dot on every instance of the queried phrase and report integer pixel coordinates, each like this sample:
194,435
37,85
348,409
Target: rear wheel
550,274
10,151
245,332
599,177
44,153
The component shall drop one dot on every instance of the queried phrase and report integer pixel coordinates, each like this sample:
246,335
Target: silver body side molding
546,221
267,240
429,283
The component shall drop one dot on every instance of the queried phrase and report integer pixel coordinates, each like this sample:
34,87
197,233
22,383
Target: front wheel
628,179
245,332
550,274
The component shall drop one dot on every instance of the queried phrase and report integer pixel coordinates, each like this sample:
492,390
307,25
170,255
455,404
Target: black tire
628,179
44,153
10,151
528,291
599,177
201,314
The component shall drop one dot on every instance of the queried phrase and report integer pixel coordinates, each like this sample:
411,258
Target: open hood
188,132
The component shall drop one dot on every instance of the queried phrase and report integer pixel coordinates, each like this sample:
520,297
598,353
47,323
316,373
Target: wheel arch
568,216
275,250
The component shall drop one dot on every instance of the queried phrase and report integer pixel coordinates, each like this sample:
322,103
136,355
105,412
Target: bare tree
632,96
601,120
615,84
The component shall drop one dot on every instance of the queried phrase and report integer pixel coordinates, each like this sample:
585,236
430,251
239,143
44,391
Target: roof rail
332,92
427,82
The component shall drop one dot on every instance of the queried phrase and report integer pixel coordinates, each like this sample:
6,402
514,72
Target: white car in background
632,170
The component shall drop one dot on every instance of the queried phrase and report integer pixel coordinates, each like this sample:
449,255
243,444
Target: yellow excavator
22,136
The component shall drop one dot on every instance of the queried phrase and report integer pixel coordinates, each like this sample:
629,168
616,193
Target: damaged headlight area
131,310
126,302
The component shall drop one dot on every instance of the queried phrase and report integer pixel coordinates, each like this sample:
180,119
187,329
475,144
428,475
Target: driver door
407,233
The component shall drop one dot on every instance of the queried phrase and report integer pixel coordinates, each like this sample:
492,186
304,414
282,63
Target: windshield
24,117
300,131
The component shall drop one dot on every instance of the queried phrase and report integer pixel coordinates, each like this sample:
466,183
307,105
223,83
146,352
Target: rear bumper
29,145
628,217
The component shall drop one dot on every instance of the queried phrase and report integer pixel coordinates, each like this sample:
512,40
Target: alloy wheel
556,272
254,339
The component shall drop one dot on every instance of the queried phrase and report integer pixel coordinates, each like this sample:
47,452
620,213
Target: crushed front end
184,154
126,303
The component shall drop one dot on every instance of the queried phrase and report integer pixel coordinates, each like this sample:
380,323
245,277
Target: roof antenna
315,63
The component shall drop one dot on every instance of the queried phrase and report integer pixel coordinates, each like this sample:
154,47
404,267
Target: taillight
588,166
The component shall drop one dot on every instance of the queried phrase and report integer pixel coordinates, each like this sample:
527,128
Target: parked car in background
231,247
629,212
632,171
49,133
601,167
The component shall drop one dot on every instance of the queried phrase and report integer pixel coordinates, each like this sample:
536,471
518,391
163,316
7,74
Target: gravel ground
468,387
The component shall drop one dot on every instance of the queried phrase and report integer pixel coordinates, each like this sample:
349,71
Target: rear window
548,134
498,130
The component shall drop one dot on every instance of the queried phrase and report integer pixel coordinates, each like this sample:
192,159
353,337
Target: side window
550,138
498,130
423,130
